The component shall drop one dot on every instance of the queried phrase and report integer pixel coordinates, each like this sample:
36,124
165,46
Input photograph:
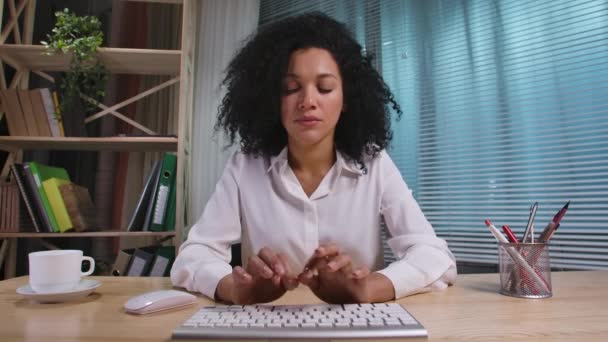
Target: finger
289,283
283,265
328,249
289,279
361,272
309,279
317,264
340,262
323,251
241,276
270,258
258,268
276,280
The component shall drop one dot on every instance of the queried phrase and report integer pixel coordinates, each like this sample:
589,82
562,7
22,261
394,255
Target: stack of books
32,112
53,202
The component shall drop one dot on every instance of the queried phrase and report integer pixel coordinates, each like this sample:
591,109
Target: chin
308,140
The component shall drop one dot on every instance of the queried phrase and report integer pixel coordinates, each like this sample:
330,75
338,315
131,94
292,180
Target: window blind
505,104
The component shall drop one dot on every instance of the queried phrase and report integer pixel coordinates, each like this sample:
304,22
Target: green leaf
82,36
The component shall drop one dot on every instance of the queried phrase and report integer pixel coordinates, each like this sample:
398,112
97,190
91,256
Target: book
163,260
80,206
140,263
165,184
34,195
9,207
12,111
19,176
136,223
51,189
40,114
41,173
44,96
58,113
28,113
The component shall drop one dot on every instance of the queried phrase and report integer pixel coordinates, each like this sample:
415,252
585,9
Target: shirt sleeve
203,259
424,262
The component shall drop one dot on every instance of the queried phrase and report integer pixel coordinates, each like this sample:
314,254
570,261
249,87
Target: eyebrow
325,75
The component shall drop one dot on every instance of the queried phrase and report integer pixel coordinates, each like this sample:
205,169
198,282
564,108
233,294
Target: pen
515,277
554,224
529,226
512,238
517,258
497,235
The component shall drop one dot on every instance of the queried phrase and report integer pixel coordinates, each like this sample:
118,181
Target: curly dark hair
251,107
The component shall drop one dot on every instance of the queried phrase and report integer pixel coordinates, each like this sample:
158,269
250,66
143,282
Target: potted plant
80,36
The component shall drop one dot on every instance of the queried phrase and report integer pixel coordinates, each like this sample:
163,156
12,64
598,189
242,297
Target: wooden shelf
159,1
116,60
131,144
87,234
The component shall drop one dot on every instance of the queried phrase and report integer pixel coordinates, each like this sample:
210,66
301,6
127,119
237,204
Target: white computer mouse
157,301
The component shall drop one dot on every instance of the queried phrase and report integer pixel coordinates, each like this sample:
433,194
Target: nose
307,100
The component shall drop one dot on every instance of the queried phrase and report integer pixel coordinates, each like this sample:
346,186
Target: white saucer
83,289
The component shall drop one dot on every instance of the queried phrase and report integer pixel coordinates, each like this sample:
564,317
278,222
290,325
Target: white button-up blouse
259,202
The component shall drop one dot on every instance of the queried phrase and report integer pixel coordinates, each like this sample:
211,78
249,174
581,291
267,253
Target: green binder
170,221
41,173
165,184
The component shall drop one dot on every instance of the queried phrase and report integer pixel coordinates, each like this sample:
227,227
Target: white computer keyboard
318,321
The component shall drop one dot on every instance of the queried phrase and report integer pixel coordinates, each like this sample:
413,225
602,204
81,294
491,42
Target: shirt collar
279,162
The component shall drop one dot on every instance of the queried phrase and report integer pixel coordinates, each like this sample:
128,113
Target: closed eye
288,91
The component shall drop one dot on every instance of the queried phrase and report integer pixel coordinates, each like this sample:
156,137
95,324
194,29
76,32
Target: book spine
58,113
45,200
26,200
28,114
32,188
51,189
44,129
49,108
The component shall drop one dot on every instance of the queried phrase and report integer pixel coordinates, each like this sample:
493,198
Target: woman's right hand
266,278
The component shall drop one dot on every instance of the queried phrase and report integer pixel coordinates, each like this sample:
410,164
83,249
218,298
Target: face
312,97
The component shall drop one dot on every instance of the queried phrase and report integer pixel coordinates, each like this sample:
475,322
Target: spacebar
315,334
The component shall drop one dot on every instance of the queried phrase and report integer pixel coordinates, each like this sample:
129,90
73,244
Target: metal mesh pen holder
525,270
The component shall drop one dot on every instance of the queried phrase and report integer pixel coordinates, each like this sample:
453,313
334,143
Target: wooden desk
471,310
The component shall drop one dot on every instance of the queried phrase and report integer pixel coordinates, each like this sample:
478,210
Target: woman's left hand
331,276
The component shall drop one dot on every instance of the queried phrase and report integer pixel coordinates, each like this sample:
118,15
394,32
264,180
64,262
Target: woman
308,189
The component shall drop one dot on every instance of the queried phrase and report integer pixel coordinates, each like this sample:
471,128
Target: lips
308,121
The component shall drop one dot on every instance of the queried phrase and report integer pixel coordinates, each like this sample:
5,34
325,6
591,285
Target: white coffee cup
57,271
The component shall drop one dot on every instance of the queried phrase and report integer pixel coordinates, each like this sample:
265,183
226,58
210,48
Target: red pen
554,224
560,214
512,238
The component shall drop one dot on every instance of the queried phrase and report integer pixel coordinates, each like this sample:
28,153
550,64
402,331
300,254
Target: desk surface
471,310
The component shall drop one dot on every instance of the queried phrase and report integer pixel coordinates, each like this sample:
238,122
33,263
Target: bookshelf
27,58
116,60
130,144
111,233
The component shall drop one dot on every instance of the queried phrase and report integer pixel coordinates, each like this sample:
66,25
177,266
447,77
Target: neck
317,159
